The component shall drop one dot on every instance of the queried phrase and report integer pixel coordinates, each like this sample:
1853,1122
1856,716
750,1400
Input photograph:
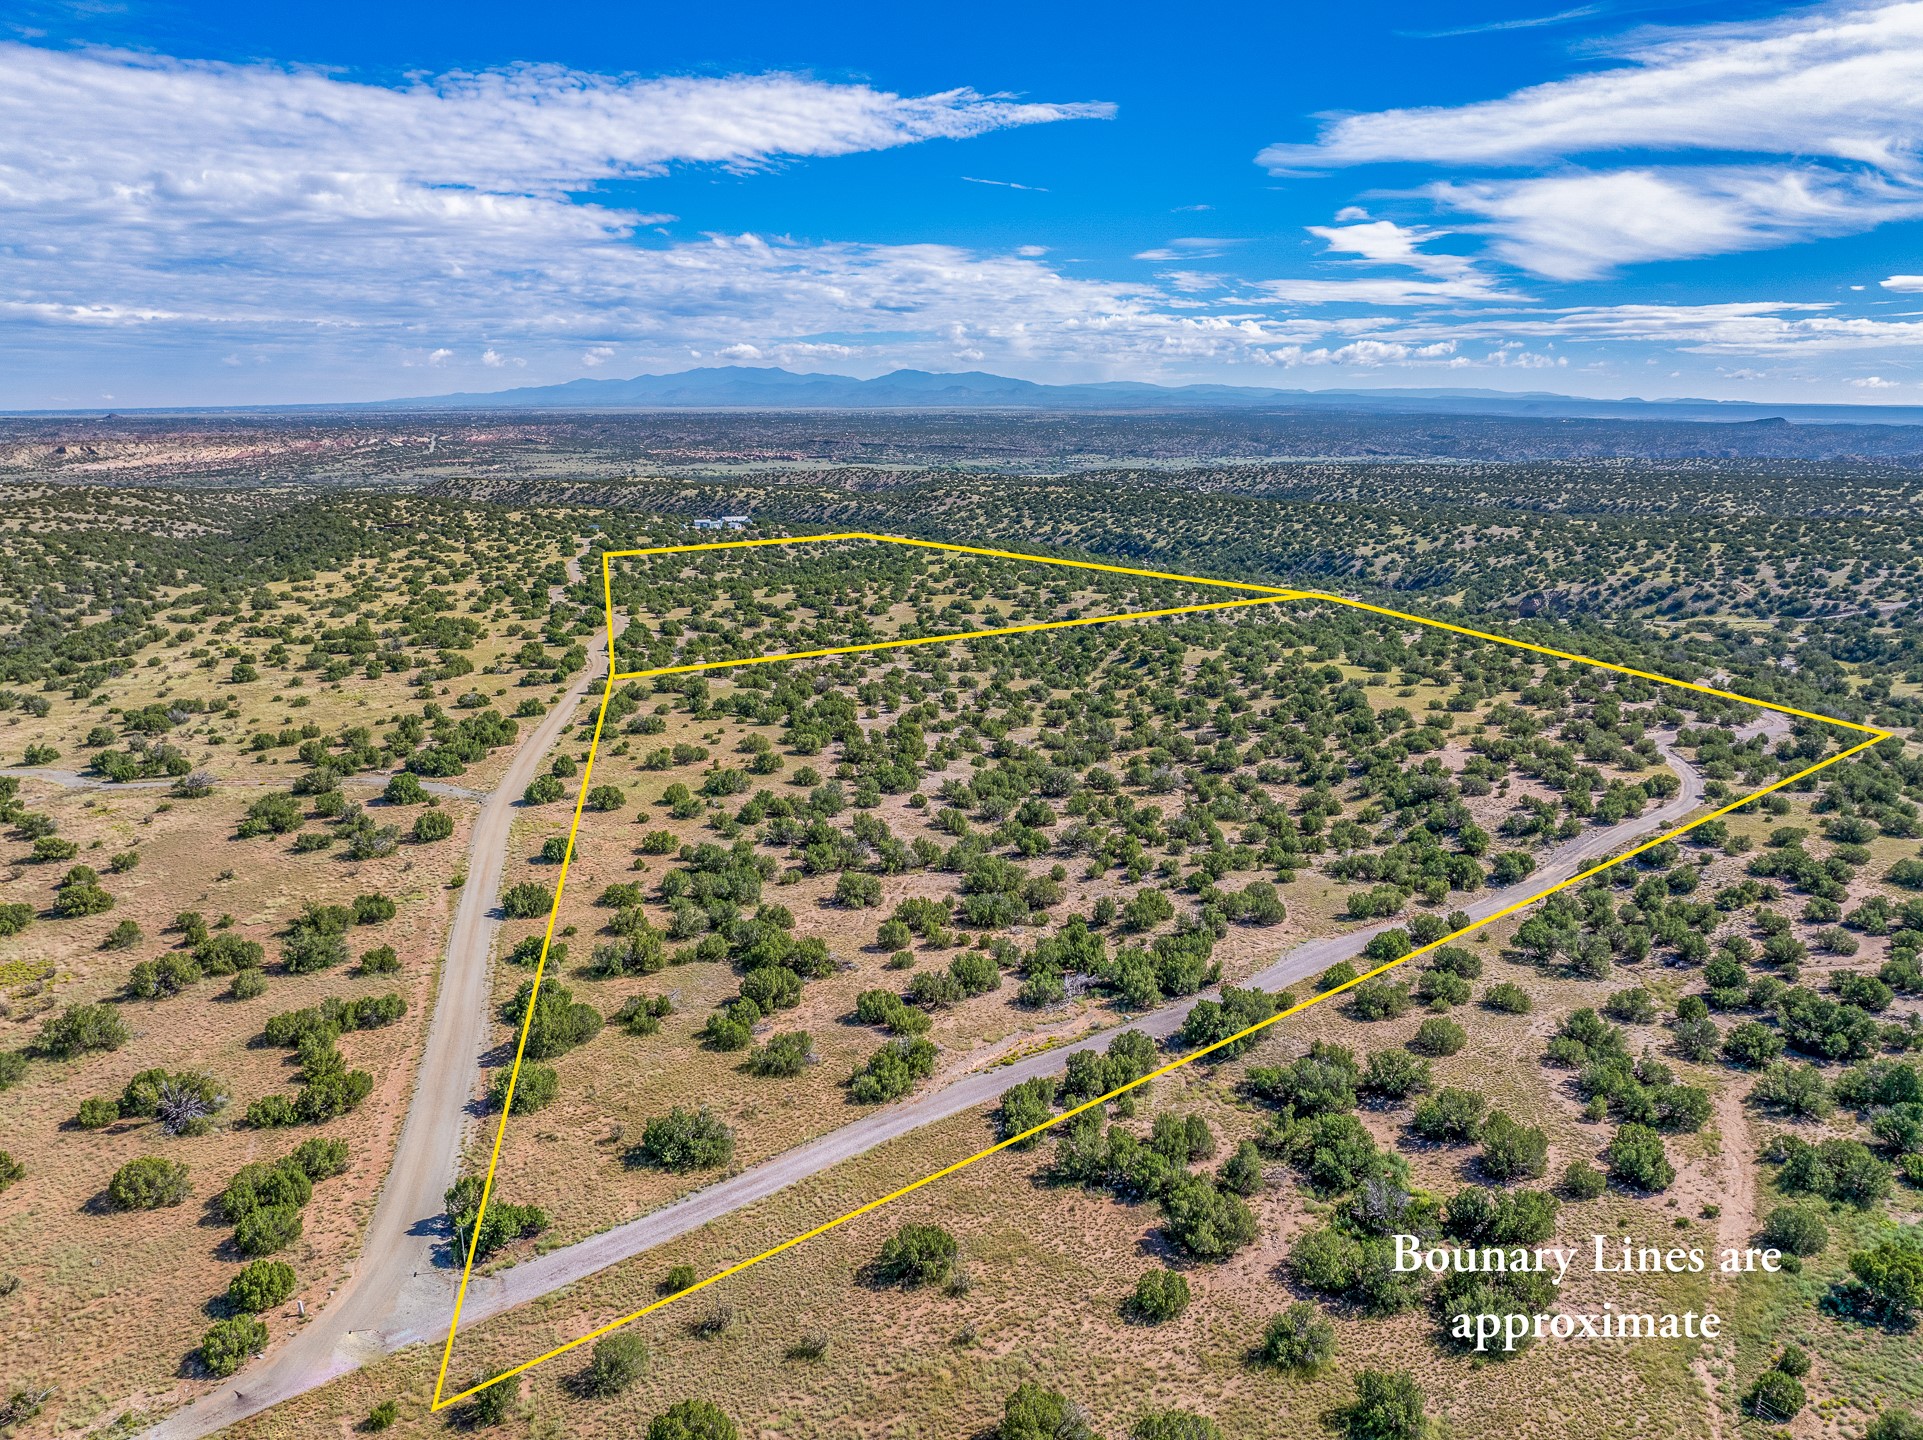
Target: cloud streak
1828,103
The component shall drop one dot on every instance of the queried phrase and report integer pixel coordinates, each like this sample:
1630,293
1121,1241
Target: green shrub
11,1170
1451,1115
684,1140
1775,1397
1388,1406
892,1071
784,1056
1895,1425
147,1184
1636,1158
373,909
678,1278
306,951
228,954
618,1362
79,1029
1175,1425
320,1157
505,1222
1160,1295
96,1113
1841,1170
490,1404
1394,1075
1204,1221
1299,1339
1511,1151
559,1023
526,901
1509,998
262,1183
1797,1230
1241,1173
261,1285
692,1420
536,1086
381,960
1438,1036
228,1343
429,826
1581,1181
1379,999
1888,1282
270,1228
1023,1107
1034,1412
916,1255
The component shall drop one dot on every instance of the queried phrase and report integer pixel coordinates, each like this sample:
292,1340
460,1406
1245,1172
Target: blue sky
244,204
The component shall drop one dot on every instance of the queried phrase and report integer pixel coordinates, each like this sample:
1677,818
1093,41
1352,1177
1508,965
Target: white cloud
597,355
440,357
1833,96
1580,225
1527,22
1839,81
259,192
1382,290
1449,279
1874,382
1387,243
1189,247
1005,184
493,358
1365,354
202,132
1759,328
1908,284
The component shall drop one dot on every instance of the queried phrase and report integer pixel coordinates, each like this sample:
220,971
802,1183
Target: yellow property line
1269,594
939,639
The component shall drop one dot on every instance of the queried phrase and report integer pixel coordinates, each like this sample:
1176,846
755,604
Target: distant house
723,522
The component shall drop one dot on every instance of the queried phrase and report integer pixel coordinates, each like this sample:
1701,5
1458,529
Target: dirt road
396,1289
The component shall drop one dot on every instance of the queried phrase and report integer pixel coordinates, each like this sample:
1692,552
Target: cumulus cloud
1908,284
1829,99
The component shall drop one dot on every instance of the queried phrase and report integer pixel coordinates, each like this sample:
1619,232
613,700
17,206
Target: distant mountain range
747,388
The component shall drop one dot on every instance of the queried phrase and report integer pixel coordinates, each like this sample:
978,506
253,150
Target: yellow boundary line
1266,595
